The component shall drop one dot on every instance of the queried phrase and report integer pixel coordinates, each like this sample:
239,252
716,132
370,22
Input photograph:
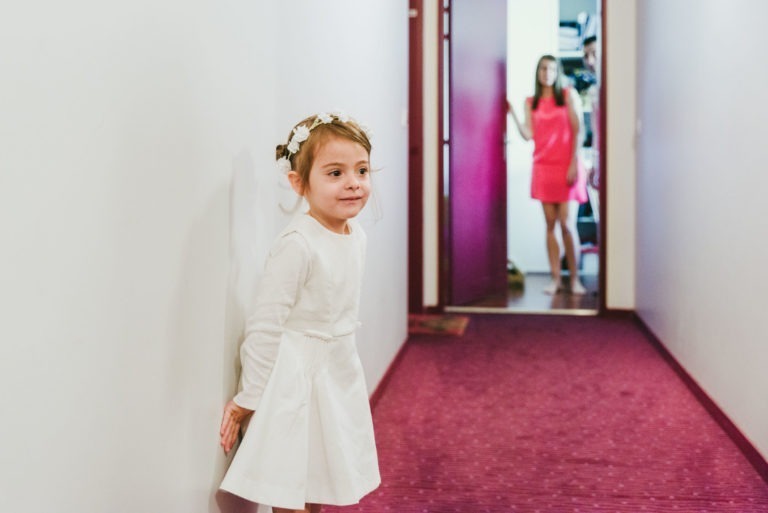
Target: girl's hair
557,87
318,130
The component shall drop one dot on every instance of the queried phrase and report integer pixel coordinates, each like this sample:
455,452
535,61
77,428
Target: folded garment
569,43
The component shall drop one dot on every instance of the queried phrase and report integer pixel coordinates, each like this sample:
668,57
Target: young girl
553,121
309,439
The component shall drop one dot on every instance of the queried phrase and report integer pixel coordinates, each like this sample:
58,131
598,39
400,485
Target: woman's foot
577,288
552,289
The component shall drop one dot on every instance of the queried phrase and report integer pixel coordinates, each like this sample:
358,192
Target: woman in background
553,120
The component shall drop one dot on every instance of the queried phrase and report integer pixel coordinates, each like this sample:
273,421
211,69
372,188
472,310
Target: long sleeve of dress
285,272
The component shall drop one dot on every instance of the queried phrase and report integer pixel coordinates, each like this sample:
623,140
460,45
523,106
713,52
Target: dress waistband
324,335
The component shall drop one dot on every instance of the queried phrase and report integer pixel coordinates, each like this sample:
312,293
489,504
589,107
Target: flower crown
301,134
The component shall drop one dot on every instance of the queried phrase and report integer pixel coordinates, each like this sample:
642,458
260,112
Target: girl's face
547,73
339,183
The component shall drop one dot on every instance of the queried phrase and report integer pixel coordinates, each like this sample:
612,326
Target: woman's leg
553,248
571,242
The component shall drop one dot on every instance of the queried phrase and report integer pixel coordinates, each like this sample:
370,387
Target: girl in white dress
309,437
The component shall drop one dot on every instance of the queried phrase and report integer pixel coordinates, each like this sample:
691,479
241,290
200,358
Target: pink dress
552,154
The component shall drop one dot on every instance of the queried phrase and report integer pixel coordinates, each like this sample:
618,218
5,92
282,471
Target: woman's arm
525,129
573,102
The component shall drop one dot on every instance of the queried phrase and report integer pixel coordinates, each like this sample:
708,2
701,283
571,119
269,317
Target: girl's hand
572,173
233,418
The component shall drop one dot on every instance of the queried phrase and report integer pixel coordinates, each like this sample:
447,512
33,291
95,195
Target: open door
476,171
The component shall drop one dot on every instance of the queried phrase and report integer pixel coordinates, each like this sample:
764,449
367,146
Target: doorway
512,279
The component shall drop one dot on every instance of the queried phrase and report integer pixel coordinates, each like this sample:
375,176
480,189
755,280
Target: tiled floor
531,297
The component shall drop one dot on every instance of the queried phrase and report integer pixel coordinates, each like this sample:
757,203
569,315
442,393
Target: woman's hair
557,87
319,129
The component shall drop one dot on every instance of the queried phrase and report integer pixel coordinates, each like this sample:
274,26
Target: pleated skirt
311,438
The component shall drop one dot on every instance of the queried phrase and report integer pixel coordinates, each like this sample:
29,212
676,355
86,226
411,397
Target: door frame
443,222
602,284
416,156
444,240
416,170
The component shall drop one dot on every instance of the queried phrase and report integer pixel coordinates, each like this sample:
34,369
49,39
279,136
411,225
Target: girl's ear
296,183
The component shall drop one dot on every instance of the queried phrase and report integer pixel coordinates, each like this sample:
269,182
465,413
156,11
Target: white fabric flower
284,165
342,116
366,131
300,134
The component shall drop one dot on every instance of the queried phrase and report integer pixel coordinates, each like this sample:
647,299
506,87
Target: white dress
310,439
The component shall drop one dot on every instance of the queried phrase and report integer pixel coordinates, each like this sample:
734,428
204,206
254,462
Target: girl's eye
363,171
335,172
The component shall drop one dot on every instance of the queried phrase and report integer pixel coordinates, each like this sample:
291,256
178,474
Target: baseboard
434,309
614,313
384,381
741,441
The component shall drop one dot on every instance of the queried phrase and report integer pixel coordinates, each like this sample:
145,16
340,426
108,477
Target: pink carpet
550,414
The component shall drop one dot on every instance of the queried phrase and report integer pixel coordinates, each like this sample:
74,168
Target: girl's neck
340,228
547,91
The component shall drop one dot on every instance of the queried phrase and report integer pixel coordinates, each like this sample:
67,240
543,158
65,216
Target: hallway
528,413
140,196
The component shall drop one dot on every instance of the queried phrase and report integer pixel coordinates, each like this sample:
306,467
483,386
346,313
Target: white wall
362,68
136,153
701,253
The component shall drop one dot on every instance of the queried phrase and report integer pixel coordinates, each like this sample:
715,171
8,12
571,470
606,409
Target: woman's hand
572,173
233,418
511,109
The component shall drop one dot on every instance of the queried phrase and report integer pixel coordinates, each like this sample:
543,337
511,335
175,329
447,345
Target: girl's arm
525,129
285,272
573,102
